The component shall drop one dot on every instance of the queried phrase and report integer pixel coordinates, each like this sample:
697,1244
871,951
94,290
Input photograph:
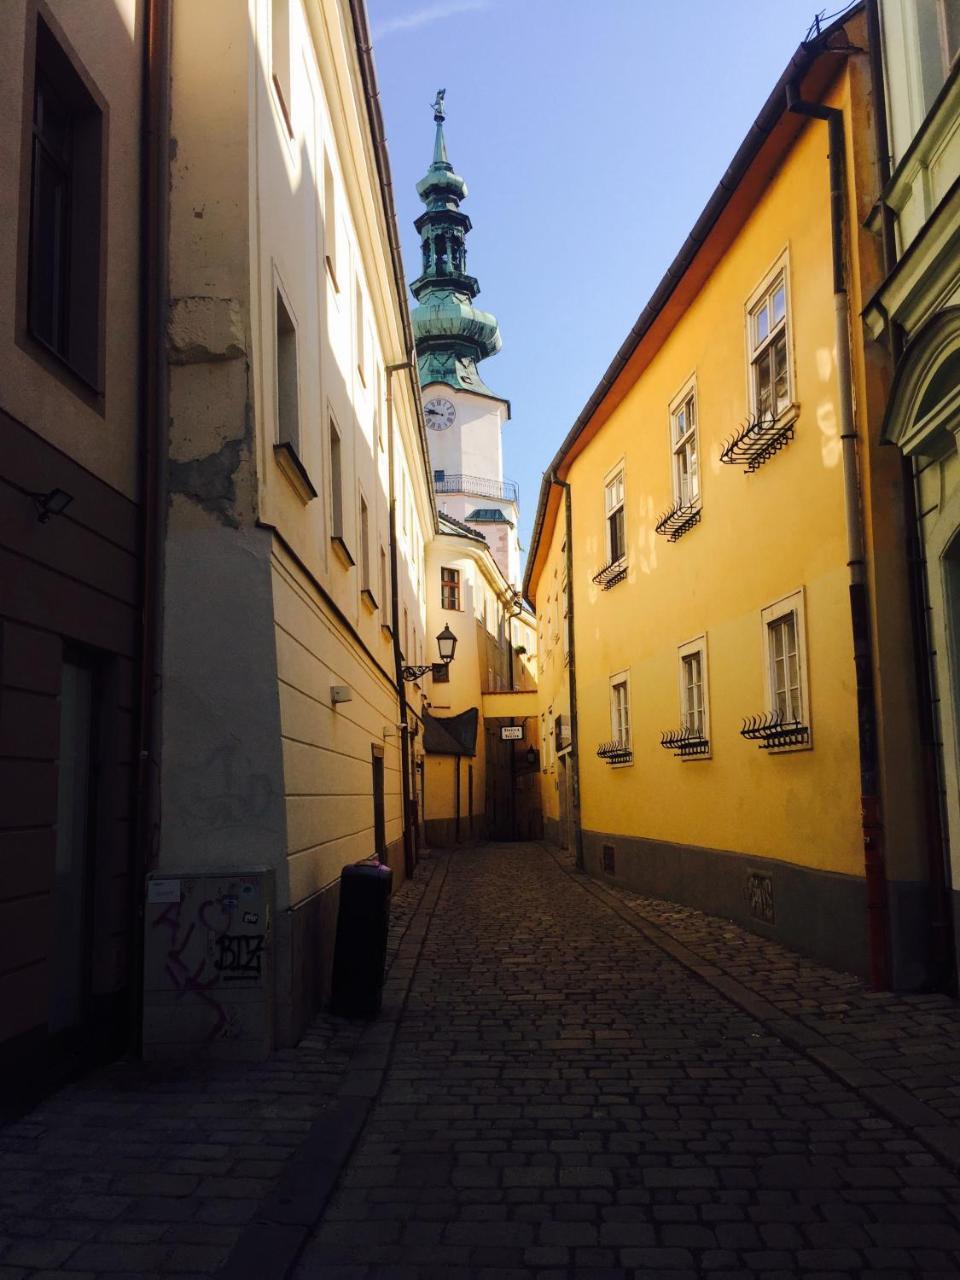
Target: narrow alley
566,1098
567,1080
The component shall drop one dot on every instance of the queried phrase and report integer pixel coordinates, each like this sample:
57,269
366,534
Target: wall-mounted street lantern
447,644
50,504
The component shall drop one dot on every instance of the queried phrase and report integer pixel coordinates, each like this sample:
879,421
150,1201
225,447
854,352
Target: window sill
369,599
288,460
342,550
90,392
386,628
611,574
361,375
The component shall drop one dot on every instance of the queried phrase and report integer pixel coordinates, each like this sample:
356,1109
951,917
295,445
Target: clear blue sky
590,136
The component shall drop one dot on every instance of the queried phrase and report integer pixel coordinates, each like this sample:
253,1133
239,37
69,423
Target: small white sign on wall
163,890
511,732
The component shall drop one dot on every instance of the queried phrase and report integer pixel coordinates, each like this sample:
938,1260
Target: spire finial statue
439,114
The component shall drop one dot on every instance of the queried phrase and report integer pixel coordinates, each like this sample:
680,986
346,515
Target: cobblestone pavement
140,1172
566,1098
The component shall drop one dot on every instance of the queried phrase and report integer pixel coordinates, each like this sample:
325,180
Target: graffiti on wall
214,938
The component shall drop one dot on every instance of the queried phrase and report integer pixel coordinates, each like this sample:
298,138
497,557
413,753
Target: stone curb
269,1245
936,1131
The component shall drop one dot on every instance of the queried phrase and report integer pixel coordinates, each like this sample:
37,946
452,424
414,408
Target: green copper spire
451,334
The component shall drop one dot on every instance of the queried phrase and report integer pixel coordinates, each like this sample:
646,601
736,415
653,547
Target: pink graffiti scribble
183,981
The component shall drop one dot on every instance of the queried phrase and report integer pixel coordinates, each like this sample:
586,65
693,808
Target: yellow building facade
474,780
690,571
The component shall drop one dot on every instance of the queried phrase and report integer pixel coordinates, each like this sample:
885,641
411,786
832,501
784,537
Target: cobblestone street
568,1080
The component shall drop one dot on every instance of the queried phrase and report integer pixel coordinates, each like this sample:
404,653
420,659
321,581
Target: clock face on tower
440,414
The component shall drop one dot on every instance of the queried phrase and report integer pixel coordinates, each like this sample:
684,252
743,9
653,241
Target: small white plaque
511,732
163,890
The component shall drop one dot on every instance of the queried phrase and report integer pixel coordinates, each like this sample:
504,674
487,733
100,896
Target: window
361,332
378,408
450,588
613,506
686,460
384,597
785,659
694,709
769,362
336,483
66,210
938,40
406,632
280,56
366,583
620,709
330,221
288,409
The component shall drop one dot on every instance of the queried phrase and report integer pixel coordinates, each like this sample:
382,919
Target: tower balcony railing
479,486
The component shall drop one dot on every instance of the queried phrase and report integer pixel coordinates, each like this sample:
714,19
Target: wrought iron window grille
771,731
615,752
613,572
684,742
756,442
675,522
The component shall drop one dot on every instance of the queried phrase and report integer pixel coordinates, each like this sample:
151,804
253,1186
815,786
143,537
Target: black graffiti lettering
240,955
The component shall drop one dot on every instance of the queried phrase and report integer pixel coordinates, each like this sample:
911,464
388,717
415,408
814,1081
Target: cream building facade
300,504
916,312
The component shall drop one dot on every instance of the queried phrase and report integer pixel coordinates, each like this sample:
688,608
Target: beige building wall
96,426
280,676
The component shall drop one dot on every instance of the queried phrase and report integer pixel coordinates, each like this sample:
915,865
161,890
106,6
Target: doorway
71,951
379,819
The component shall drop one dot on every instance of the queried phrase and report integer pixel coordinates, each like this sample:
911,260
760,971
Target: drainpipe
409,854
572,668
871,816
154,233
941,922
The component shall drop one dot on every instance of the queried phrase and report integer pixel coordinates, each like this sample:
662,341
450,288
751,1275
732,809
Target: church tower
464,416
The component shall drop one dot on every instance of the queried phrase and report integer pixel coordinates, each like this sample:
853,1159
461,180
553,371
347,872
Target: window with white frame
686,453
280,57
694,711
288,395
786,661
366,581
620,709
769,348
336,482
613,509
330,221
384,598
361,332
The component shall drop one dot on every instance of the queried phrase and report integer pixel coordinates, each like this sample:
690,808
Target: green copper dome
451,334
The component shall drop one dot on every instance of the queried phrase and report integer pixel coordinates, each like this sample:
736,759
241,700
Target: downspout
871,816
572,670
154,234
409,859
941,922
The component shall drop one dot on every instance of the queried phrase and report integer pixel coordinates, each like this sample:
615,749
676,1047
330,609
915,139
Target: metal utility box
208,966
363,922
